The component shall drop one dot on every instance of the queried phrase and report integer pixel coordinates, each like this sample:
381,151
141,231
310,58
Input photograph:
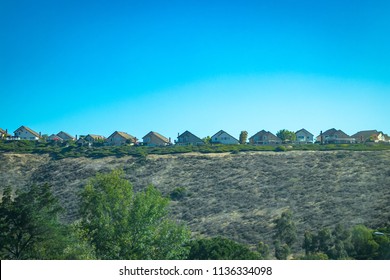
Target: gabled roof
66,134
187,133
219,133
304,131
36,134
123,135
365,134
2,131
269,134
333,131
158,135
95,136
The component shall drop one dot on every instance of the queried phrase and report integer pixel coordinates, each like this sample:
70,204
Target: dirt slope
233,195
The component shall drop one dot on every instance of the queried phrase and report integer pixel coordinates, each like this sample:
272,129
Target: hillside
233,195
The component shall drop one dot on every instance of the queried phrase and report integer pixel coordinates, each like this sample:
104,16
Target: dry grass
235,195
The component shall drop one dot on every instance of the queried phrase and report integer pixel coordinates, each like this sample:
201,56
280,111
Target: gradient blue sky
170,66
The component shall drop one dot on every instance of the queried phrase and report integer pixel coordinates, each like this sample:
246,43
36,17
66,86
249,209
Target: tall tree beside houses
286,135
243,137
222,137
119,138
154,139
25,133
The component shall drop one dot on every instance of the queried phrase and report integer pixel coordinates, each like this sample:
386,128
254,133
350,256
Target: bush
178,193
280,149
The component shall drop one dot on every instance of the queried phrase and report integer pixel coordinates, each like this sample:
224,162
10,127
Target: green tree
364,245
207,140
282,251
263,250
29,225
124,225
220,248
286,135
243,137
286,231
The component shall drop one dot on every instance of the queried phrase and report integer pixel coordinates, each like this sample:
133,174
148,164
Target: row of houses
117,138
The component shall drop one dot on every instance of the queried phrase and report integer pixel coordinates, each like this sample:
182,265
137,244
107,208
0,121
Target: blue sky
170,66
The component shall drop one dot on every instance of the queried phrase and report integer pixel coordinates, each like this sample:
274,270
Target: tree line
118,223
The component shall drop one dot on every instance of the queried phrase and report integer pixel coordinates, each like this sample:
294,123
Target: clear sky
169,66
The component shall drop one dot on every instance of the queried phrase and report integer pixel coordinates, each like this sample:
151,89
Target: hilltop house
65,136
25,133
155,139
222,137
3,133
187,138
334,136
54,138
265,138
369,136
304,136
119,138
94,138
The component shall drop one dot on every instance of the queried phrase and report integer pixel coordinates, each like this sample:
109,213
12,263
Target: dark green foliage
29,225
220,248
280,149
178,193
282,251
359,242
263,249
286,231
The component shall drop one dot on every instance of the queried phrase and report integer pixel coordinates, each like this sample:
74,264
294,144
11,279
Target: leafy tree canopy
286,135
29,225
124,225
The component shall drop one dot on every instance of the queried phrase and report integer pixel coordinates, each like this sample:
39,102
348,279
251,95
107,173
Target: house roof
219,133
36,134
2,131
333,131
96,137
190,134
123,135
365,134
304,131
158,135
67,134
269,134
54,137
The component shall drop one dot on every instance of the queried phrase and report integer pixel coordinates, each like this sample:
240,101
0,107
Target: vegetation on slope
117,223
71,150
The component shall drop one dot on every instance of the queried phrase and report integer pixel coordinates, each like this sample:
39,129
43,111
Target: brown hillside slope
234,195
